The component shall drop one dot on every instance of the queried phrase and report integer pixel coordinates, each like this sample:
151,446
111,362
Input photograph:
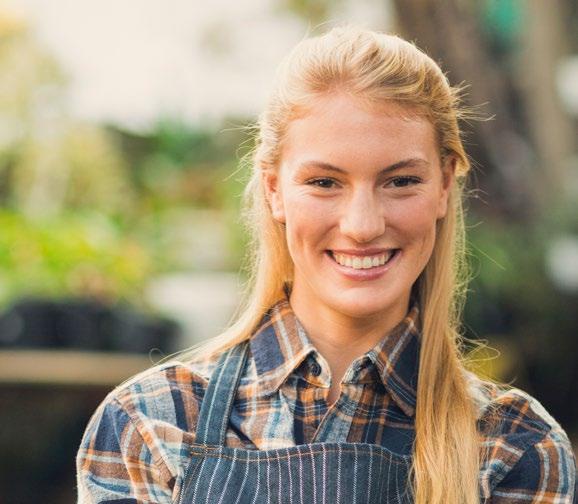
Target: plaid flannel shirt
136,445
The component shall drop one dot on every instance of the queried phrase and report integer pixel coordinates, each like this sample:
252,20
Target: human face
358,186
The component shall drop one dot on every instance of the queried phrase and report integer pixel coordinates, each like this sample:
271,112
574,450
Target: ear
272,186
448,174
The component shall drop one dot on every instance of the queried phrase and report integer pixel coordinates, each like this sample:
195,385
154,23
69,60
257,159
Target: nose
362,218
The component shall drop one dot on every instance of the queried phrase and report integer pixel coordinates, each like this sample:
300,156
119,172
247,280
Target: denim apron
316,473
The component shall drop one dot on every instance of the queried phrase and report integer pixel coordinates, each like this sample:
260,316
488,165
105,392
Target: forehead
343,99
340,128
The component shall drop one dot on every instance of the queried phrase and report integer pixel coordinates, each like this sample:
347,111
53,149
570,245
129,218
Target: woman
313,394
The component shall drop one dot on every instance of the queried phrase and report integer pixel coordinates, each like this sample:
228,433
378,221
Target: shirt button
315,369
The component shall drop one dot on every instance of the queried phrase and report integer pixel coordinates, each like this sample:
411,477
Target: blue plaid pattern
137,444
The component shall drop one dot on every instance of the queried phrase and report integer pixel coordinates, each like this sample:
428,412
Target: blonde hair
378,67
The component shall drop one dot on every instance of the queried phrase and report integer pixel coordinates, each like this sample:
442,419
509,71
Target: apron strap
219,396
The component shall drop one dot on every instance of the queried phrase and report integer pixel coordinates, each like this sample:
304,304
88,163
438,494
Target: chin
360,306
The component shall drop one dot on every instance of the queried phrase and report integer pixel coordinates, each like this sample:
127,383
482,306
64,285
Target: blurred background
121,130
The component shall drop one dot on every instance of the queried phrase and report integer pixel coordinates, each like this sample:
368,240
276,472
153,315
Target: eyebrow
405,163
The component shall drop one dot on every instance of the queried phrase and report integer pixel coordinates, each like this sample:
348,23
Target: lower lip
365,274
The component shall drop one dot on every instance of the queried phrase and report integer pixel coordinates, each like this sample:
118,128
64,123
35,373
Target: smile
363,268
365,262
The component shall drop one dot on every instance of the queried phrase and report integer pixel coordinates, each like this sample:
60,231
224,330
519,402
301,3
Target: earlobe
273,194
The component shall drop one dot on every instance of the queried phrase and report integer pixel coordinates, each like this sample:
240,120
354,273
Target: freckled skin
357,209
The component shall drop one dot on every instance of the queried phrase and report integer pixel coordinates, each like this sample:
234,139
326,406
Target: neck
341,338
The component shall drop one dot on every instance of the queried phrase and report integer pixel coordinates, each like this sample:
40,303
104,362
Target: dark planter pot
131,331
29,323
84,324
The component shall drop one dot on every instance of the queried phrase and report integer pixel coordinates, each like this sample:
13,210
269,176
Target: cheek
307,217
306,226
416,221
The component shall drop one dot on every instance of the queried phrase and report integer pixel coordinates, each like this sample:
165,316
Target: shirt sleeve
115,463
545,473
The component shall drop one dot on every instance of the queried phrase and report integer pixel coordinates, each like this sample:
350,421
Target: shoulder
141,432
170,393
526,453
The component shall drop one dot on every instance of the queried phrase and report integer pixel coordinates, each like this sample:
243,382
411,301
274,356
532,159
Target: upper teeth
364,262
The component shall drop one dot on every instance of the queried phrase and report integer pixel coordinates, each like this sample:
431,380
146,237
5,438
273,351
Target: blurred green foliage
80,253
525,313
90,210
504,20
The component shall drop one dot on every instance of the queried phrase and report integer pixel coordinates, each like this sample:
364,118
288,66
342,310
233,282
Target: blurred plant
80,168
522,310
66,202
80,254
179,170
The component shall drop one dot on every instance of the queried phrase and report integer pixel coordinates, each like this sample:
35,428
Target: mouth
371,262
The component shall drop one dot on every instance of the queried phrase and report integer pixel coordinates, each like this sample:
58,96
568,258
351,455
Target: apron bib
316,473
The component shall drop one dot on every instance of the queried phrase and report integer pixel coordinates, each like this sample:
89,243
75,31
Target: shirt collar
280,344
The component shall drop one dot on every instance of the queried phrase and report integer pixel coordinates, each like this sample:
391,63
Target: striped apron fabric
318,473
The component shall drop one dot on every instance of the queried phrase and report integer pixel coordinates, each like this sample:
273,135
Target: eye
324,183
405,181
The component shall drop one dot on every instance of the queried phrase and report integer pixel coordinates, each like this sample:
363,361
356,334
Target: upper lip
362,252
